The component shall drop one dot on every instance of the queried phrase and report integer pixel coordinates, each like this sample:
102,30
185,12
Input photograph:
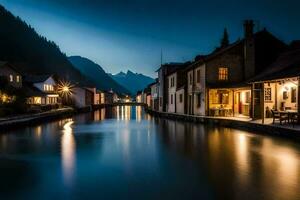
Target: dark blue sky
129,34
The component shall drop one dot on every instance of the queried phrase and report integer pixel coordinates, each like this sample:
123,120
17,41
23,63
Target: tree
225,39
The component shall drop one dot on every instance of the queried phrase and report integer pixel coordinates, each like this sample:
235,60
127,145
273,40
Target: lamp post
65,90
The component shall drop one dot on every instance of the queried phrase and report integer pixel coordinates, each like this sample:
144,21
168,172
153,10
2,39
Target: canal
123,153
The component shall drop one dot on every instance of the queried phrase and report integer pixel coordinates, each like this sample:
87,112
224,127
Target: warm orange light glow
65,89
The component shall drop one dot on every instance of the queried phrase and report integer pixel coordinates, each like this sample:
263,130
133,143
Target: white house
172,84
180,100
41,90
196,89
154,96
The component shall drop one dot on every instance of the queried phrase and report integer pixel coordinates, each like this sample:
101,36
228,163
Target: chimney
248,28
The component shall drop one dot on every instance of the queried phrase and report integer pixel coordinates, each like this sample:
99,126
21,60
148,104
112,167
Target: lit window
223,73
11,78
18,79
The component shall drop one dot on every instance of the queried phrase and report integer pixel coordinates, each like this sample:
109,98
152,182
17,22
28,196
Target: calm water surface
123,153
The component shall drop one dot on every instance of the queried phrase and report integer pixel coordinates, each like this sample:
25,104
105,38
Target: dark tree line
32,53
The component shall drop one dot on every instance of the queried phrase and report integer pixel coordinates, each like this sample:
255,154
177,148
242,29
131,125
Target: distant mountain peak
93,71
132,81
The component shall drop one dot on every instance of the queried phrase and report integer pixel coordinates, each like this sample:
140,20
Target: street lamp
65,89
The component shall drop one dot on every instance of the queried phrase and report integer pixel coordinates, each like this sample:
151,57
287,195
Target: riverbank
242,124
29,119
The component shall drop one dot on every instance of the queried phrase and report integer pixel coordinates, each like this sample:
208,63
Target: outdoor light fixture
65,89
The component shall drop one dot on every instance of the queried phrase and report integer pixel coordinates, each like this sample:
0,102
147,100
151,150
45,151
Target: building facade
41,90
10,74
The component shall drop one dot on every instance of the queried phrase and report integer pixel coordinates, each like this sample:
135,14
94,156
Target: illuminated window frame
223,74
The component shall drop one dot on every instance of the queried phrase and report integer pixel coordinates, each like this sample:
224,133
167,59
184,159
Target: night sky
128,34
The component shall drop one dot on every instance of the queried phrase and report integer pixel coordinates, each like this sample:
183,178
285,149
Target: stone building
278,87
218,81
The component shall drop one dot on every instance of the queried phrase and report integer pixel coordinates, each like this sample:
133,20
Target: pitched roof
31,91
6,63
219,51
36,78
287,65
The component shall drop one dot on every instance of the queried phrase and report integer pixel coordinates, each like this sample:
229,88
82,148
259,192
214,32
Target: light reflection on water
124,153
68,150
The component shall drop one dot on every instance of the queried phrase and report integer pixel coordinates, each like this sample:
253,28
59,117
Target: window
191,79
11,78
268,94
160,101
180,98
198,76
223,73
221,97
171,98
248,97
293,95
18,78
199,100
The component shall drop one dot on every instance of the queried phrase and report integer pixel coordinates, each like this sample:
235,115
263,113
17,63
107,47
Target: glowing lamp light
65,89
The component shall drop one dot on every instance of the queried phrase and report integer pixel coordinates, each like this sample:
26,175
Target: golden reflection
38,132
241,152
68,146
118,112
138,113
97,114
102,114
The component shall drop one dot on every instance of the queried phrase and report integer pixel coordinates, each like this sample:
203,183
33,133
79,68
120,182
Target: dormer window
223,74
11,78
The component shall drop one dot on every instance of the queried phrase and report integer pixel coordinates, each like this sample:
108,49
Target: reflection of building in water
138,113
68,146
99,114
38,132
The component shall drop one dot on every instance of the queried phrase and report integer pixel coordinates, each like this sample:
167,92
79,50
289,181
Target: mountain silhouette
132,81
96,74
32,53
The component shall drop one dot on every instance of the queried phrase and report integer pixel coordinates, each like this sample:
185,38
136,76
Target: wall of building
190,83
154,96
180,105
79,97
160,89
231,59
6,71
199,89
172,82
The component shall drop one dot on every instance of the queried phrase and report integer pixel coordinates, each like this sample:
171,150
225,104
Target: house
278,87
83,97
217,83
40,90
154,95
146,96
176,81
163,84
98,95
10,74
138,97
110,97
